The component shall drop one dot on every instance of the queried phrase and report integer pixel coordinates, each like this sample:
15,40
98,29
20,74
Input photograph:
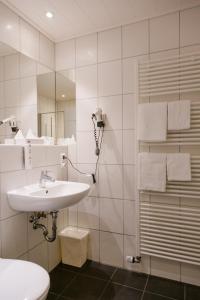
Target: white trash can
74,246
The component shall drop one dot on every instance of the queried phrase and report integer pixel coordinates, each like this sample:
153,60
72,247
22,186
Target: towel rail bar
171,229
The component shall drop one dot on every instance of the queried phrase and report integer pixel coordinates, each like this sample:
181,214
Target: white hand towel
152,172
179,115
178,167
152,121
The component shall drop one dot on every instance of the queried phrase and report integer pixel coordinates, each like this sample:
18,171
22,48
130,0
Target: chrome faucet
44,177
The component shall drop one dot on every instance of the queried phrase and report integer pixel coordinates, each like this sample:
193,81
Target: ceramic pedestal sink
54,196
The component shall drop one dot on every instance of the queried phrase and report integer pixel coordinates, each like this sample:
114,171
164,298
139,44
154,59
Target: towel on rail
179,115
152,122
178,167
152,172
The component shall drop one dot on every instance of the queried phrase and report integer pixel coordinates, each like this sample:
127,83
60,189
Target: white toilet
23,280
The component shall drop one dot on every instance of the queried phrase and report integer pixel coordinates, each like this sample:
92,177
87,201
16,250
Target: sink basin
56,195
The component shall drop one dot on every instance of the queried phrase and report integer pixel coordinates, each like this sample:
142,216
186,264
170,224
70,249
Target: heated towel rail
171,230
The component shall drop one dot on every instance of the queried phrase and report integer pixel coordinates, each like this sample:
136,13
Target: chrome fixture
134,259
12,122
35,220
44,177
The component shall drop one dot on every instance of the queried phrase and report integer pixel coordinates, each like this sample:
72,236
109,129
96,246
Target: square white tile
164,32
130,221
12,93
10,181
112,108
129,147
135,39
1,68
93,245
86,147
189,22
86,50
190,274
46,51
13,243
86,82
8,17
88,213
129,111
28,66
110,181
11,65
65,55
29,40
39,255
111,249
109,44
165,268
111,149
11,158
129,182
73,215
129,79
2,95
28,91
84,110
111,215
110,78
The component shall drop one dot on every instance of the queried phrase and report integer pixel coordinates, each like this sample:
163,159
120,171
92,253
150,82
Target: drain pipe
35,220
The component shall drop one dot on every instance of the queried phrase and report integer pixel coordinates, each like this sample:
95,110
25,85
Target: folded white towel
152,172
179,115
152,121
178,167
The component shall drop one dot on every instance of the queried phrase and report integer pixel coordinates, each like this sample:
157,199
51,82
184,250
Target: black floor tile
192,292
71,268
84,288
118,292
98,270
149,296
132,279
59,279
52,296
165,287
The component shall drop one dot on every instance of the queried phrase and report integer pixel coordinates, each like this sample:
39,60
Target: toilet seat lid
22,280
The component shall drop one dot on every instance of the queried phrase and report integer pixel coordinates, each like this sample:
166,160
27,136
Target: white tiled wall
17,238
104,64
23,37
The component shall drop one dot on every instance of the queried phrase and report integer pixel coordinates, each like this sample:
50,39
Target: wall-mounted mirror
46,104
39,98
66,104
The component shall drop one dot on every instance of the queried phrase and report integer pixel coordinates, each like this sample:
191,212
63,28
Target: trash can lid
75,233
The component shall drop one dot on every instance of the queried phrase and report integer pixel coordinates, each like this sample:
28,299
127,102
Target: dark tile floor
96,281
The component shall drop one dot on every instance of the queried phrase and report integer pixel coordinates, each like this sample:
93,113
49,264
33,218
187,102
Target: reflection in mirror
18,93
65,104
46,104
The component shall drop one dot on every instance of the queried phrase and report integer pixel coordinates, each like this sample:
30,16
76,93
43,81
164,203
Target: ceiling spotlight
49,14
63,96
8,26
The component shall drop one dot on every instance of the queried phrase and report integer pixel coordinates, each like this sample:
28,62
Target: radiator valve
133,259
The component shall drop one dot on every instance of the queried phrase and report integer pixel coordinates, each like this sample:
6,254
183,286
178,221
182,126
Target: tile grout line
107,284
145,288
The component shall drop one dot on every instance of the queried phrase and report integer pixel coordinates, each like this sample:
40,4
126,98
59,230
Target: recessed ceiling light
63,96
8,26
49,14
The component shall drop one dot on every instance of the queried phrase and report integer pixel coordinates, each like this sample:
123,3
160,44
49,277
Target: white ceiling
78,17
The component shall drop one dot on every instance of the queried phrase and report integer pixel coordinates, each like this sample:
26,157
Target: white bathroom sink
56,195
